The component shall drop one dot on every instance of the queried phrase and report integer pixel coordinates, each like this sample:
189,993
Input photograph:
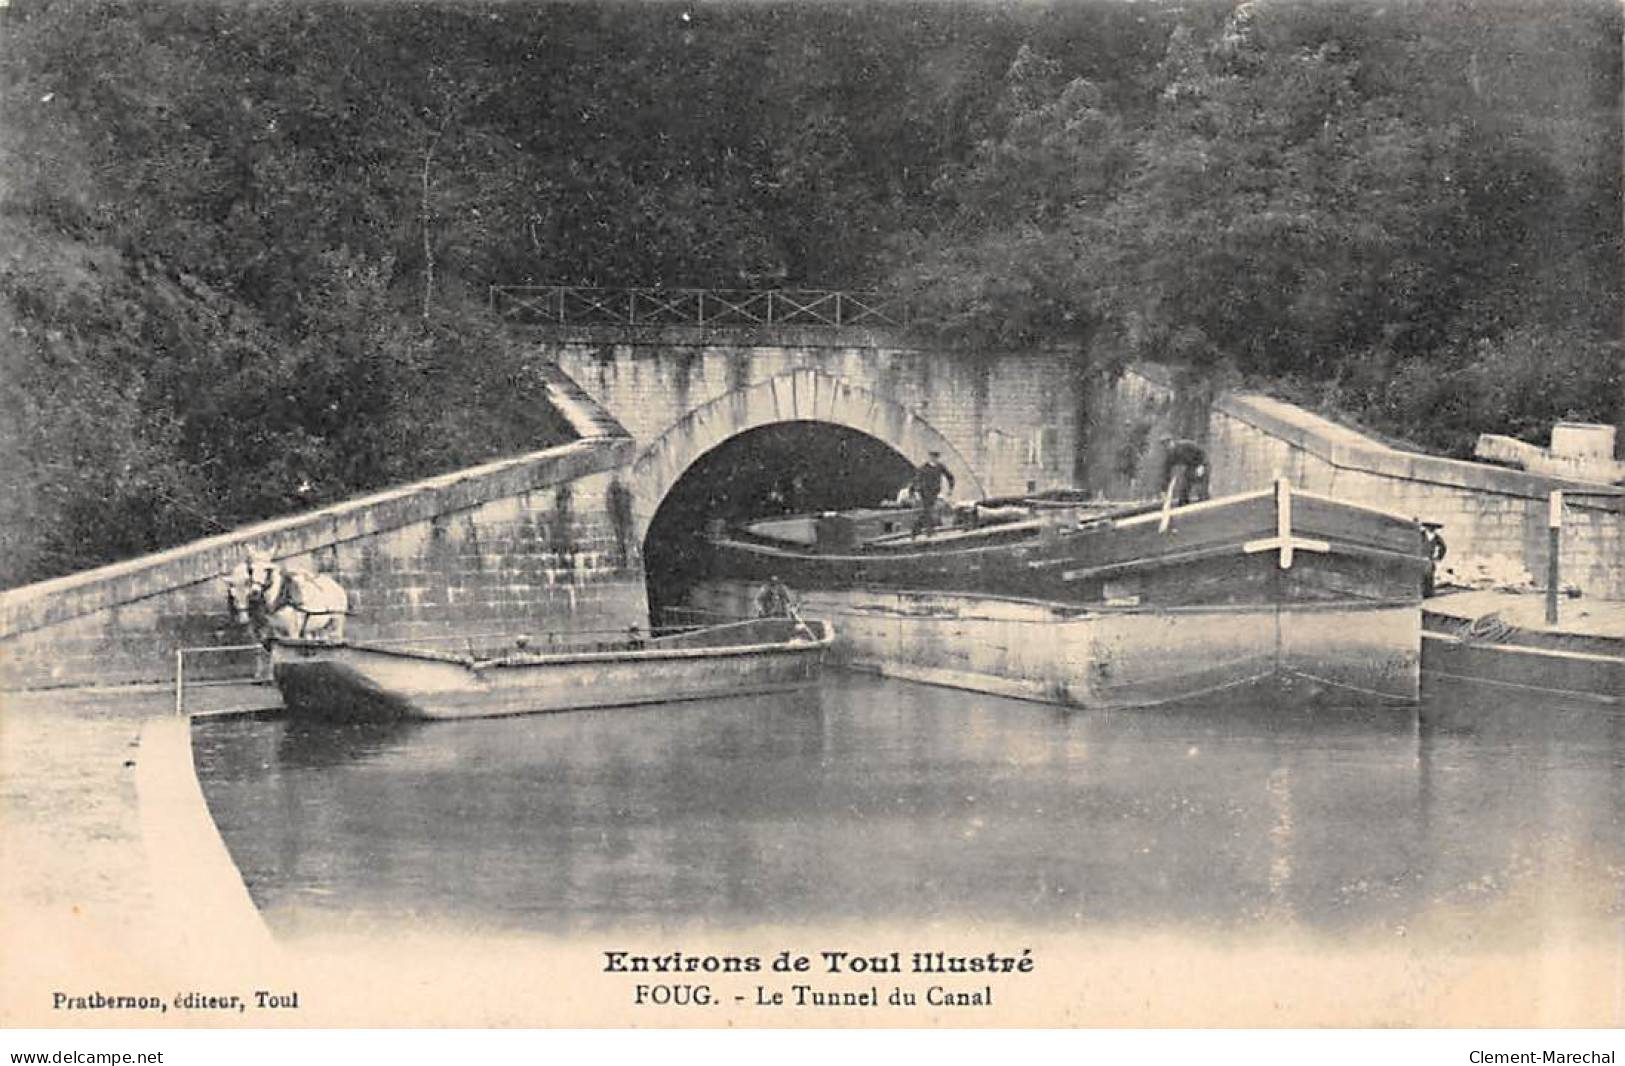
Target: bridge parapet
577,305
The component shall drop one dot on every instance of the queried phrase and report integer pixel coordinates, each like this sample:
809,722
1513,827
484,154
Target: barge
347,681
1260,594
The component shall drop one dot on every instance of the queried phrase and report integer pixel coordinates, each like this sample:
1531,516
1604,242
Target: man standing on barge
928,479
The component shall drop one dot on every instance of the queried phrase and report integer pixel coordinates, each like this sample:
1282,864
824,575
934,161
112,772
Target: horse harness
283,599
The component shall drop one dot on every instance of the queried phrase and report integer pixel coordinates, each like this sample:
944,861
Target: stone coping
1347,449
59,599
602,444
587,418
115,868
1156,373
874,339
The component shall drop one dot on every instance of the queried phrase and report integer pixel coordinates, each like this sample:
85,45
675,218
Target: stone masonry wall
548,542
1013,418
535,544
1490,514
1125,421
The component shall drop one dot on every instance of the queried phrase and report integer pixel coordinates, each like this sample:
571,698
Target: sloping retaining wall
1490,514
541,542
547,542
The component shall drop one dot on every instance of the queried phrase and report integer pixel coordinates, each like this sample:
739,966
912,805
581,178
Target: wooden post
1554,539
179,680
1283,520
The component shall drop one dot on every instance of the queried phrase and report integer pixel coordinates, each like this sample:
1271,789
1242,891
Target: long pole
1554,539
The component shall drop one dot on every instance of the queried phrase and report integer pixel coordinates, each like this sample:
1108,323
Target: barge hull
358,681
1352,652
1448,660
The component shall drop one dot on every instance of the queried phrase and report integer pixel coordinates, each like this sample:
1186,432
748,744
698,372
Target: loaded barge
1268,593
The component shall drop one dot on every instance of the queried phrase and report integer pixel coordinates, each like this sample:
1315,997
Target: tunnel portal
783,468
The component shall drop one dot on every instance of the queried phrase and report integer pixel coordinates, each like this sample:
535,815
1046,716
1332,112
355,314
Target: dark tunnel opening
784,468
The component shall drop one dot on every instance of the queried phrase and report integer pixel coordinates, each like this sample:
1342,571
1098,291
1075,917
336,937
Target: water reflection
307,745
874,799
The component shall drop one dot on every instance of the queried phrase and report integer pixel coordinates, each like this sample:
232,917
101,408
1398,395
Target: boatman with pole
928,479
774,600
1185,460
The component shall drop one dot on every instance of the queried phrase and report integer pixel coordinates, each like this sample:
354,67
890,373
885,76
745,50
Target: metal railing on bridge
575,305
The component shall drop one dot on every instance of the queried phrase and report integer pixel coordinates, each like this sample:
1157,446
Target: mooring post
1554,538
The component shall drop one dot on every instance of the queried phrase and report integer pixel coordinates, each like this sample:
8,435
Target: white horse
278,603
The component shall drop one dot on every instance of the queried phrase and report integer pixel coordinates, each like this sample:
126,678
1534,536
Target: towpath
114,874
1527,610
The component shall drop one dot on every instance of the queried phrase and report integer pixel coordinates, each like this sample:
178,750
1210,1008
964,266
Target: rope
1488,628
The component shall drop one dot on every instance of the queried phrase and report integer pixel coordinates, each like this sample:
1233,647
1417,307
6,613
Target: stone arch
804,395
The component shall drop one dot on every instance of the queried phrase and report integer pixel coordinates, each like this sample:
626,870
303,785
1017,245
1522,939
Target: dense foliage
1410,213
244,244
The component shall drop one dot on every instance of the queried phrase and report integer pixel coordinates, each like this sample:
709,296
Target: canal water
875,800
